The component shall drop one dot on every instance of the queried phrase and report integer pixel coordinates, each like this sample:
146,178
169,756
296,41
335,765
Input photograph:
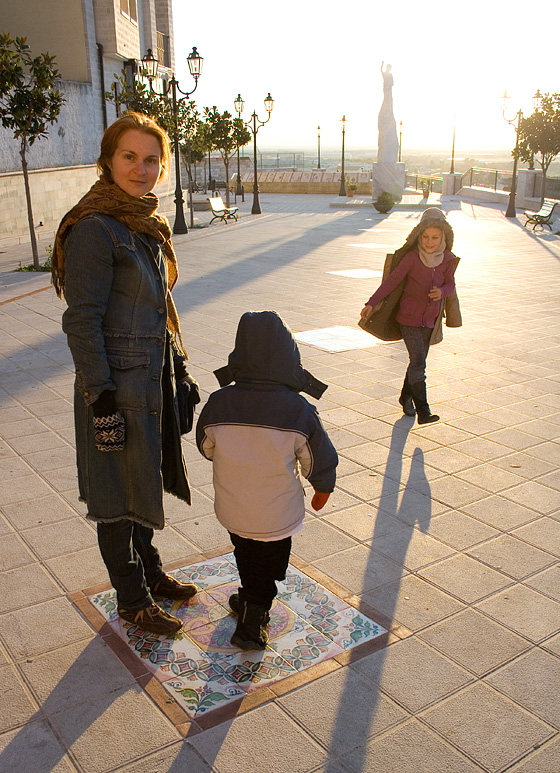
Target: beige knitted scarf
138,214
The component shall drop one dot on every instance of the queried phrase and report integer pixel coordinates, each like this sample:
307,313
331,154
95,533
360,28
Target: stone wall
53,193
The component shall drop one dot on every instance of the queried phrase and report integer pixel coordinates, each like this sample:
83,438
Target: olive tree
28,103
539,135
226,135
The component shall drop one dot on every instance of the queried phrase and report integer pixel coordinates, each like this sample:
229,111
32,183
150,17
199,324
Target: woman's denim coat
116,323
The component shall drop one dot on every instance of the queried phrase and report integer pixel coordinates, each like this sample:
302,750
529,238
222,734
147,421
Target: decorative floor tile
337,339
202,670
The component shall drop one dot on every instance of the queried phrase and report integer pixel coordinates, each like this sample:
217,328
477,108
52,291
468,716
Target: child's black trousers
260,564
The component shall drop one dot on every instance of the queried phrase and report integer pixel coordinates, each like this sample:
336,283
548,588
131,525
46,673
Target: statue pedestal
388,176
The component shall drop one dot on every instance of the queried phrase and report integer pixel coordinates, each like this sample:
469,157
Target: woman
114,263
426,268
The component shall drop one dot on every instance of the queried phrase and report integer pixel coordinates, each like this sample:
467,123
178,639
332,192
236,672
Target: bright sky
451,63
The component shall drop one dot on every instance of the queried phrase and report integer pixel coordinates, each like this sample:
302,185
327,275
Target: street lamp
239,104
254,125
318,147
342,191
452,168
400,140
510,212
194,61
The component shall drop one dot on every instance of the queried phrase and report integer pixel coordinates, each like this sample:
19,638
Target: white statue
388,144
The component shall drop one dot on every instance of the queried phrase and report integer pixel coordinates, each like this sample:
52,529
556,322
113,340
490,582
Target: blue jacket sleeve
325,457
88,264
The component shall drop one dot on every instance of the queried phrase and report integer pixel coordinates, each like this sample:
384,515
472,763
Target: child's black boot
250,633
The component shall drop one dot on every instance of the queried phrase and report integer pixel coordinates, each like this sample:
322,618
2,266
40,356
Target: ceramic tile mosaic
202,670
337,339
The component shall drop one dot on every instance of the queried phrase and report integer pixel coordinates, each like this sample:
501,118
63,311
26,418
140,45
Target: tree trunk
226,164
28,199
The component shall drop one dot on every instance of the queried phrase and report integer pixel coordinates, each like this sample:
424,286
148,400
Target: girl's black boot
425,416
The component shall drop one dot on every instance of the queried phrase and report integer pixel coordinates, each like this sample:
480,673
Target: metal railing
494,179
552,188
434,183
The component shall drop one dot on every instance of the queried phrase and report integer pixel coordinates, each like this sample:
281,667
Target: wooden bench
543,216
220,211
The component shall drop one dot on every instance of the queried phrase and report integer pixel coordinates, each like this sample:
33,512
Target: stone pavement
449,535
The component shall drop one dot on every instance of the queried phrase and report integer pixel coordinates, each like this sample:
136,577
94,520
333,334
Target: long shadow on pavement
421,514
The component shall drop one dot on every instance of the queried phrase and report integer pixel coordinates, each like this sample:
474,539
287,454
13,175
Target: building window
128,9
163,49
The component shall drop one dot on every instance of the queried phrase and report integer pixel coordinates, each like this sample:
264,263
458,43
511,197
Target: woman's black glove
108,423
188,395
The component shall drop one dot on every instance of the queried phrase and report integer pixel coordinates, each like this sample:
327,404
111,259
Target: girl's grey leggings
417,342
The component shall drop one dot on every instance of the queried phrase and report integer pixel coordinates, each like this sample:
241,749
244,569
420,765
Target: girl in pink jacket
428,267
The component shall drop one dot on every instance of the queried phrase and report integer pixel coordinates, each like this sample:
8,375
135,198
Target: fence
418,181
552,187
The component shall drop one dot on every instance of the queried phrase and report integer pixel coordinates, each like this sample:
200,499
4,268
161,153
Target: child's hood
266,352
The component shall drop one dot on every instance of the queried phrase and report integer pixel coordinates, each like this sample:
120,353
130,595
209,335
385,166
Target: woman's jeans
417,342
133,562
260,564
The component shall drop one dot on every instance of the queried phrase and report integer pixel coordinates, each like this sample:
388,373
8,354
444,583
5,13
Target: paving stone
455,493
499,512
532,680
543,760
83,569
543,533
88,729
177,757
412,601
359,569
512,556
17,697
57,676
57,621
341,710
532,494
465,578
525,611
14,553
206,532
547,582
317,539
38,511
33,745
363,521
249,738
412,673
25,585
488,727
55,539
410,748
410,547
474,641
368,485
525,464
459,530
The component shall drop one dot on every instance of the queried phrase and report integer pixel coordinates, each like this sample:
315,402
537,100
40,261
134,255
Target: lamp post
510,212
194,60
452,167
254,125
400,140
318,147
342,191
239,104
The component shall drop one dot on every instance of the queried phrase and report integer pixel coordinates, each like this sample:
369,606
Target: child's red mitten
319,499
